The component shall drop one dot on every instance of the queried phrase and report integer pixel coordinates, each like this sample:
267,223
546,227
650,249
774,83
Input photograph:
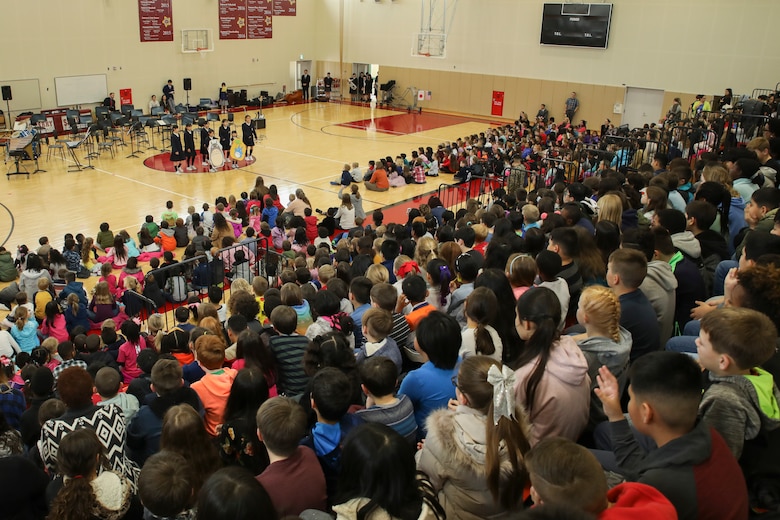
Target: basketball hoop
201,51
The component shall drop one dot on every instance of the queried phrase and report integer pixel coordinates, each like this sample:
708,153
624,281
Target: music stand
133,138
72,147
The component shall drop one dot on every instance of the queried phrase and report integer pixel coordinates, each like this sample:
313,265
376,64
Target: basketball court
304,146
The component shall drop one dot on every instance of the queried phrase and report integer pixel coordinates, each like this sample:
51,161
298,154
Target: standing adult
306,84
168,93
328,86
572,105
110,102
361,86
543,115
249,136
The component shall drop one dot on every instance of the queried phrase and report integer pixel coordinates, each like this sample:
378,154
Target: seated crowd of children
584,351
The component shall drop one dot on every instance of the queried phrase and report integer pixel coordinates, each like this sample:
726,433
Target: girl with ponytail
552,380
439,277
604,342
474,450
479,337
88,488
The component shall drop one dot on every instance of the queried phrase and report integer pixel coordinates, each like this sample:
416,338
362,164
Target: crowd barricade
480,188
202,275
739,129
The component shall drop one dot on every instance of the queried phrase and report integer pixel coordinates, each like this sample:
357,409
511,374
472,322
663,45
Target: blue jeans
720,276
687,342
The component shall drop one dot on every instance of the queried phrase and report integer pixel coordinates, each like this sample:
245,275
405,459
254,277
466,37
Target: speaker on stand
187,88
7,97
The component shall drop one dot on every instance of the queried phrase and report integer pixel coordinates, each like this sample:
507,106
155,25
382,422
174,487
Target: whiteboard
79,90
26,94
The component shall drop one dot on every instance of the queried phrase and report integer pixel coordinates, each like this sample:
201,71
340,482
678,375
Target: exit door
642,105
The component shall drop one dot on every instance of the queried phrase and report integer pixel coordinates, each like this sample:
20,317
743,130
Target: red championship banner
232,19
498,103
155,19
285,7
259,19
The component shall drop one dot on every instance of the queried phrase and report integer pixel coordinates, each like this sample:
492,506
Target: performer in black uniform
305,84
204,143
249,136
189,147
177,152
328,81
353,88
224,137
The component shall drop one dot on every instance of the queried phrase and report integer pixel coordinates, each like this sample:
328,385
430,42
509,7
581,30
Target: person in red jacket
311,225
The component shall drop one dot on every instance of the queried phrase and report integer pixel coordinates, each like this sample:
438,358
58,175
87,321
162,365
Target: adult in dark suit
110,102
306,84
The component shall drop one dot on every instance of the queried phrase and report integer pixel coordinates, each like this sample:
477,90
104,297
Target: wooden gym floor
303,146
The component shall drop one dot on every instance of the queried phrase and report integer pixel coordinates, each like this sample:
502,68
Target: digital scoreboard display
578,25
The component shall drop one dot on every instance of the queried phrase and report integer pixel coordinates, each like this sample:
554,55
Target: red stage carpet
162,162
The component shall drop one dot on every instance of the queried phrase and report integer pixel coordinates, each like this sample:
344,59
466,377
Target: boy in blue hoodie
331,391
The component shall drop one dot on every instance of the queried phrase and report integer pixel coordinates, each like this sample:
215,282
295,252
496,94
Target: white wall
676,45
50,38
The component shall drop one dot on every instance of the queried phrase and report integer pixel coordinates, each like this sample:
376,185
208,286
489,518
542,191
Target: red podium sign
125,96
498,103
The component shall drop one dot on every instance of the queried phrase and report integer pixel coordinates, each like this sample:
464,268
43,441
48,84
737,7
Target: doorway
642,105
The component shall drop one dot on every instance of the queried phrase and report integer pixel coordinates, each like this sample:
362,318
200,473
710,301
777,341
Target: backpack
707,267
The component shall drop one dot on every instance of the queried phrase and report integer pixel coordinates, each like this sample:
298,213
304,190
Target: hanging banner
259,19
245,19
498,103
285,7
232,19
155,20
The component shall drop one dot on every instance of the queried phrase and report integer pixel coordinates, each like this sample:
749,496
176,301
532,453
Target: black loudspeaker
187,83
7,93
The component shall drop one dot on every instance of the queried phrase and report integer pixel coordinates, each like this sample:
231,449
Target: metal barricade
739,129
455,196
199,278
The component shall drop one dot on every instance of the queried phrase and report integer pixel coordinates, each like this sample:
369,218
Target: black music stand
133,140
72,147
18,156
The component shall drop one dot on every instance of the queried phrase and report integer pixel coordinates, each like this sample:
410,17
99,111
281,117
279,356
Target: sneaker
204,164
250,158
178,171
335,183
235,166
191,168
319,211
212,170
